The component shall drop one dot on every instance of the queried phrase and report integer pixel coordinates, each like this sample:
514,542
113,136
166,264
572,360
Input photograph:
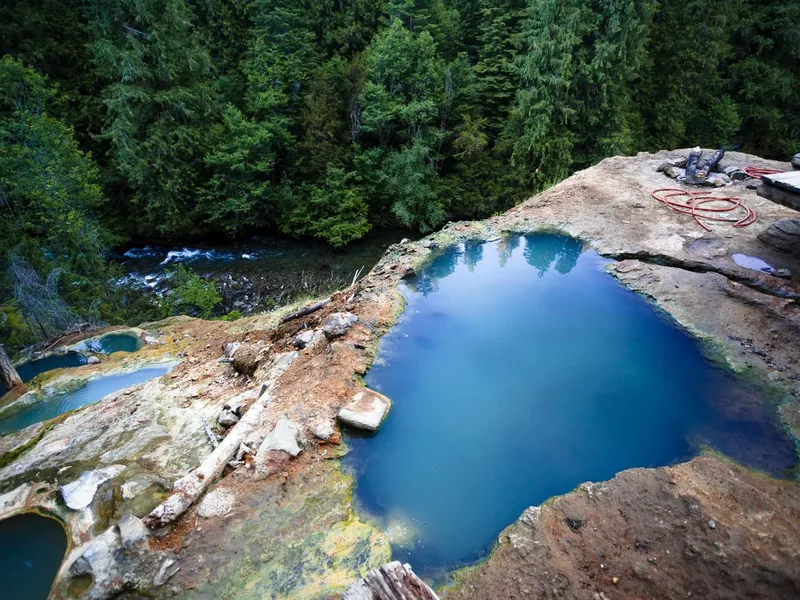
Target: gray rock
783,234
92,360
132,532
227,418
324,430
303,339
217,503
712,524
285,437
80,493
231,348
783,273
674,172
337,324
366,410
168,568
796,161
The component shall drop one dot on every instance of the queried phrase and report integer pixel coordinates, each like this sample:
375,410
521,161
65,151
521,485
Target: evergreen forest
168,120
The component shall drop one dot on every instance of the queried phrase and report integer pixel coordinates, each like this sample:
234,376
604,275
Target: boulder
366,410
783,234
303,339
92,360
80,493
337,324
217,503
246,359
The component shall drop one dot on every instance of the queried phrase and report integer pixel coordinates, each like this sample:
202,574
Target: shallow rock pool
52,404
31,550
521,369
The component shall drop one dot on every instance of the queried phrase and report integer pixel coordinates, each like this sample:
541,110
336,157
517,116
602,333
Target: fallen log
191,486
306,310
392,581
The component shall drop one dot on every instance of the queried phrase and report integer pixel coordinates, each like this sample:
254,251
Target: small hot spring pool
521,369
107,344
31,550
54,404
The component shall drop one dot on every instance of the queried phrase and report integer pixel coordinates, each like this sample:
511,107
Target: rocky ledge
231,459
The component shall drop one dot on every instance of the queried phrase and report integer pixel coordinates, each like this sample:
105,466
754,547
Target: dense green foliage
165,119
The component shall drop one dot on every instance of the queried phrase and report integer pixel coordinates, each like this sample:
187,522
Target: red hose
694,205
756,172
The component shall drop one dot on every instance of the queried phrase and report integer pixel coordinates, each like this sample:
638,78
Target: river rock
217,503
303,339
132,532
92,360
337,324
366,410
783,234
80,493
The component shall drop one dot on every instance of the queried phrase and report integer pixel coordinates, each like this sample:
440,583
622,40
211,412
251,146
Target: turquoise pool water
115,342
31,550
52,405
520,369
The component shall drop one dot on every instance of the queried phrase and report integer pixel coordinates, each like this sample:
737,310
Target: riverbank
284,526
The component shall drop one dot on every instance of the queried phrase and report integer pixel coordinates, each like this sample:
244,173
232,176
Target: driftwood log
306,310
8,374
392,581
191,486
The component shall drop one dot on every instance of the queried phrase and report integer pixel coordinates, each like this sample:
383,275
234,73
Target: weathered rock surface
366,410
246,358
132,532
646,534
783,234
217,503
337,324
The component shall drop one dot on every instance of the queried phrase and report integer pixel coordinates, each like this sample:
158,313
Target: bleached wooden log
392,581
191,486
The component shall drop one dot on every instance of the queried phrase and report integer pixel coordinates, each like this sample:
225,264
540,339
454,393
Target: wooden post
8,374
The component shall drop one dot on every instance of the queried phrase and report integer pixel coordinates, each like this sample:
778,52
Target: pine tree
160,101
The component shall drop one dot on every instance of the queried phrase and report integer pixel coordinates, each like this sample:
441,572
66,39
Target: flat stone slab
366,410
217,503
80,493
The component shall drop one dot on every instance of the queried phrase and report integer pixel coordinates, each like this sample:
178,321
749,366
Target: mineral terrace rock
337,324
303,339
217,503
366,410
80,493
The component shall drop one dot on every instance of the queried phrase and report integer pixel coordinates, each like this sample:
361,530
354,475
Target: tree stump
392,581
8,374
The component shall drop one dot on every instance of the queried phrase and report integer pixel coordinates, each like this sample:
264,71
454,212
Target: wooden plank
779,195
392,581
789,181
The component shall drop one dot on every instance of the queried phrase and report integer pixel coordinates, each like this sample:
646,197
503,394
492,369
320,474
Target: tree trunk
392,581
8,374
191,486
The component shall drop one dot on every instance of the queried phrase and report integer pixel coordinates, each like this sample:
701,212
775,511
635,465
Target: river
262,272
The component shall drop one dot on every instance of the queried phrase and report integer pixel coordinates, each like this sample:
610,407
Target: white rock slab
80,493
217,503
366,410
284,437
